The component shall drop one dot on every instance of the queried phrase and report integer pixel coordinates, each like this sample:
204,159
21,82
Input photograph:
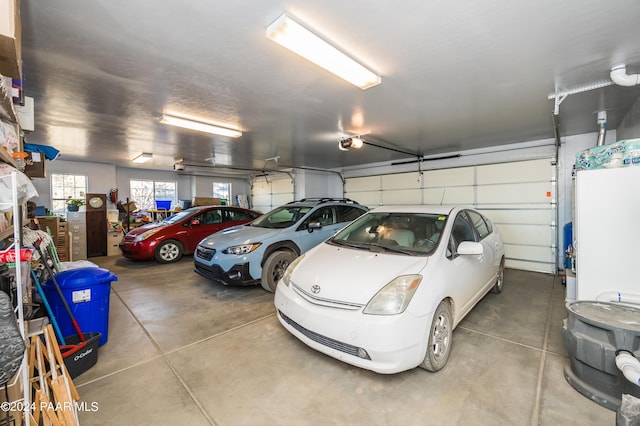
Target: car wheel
497,288
274,267
169,251
440,337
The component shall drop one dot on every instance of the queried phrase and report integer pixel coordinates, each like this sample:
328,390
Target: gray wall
124,175
629,128
202,186
103,177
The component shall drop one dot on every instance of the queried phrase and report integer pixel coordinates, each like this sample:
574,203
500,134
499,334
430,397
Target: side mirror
470,247
314,225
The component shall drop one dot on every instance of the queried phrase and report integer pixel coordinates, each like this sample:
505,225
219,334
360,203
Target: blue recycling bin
86,291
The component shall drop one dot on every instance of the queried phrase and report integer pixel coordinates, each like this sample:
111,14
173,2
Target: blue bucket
86,291
163,204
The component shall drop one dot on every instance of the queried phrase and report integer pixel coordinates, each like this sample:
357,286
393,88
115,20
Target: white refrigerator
606,234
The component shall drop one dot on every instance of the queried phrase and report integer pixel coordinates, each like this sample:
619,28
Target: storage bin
83,359
163,204
86,291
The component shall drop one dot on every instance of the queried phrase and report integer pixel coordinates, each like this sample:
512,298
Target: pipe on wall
602,127
620,77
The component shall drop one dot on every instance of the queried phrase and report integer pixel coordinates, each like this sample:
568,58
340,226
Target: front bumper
392,343
137,251
237,275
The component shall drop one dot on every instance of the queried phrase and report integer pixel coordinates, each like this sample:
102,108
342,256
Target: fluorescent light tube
200,126
143,158
288,33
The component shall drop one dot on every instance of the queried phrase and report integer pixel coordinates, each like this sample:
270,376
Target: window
212,217
222,190
479,223
462,231
349,213
64,186
145,193
233,215
281,217
324,216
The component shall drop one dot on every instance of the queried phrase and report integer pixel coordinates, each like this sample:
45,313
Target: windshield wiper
394,249
350,244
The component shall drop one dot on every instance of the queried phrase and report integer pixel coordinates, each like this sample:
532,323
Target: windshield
175,218
415,234
281,217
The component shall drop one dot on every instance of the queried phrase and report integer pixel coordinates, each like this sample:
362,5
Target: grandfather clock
96,224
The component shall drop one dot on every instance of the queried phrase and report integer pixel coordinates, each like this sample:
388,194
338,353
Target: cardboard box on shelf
10,39
128,207
34,165
205,201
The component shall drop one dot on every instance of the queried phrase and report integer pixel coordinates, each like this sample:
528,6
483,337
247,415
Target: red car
180,233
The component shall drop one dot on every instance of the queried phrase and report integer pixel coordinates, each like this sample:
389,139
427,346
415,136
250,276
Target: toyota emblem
315,289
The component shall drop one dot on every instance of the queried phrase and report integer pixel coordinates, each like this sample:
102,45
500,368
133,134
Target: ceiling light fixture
143,158
356,143
200,126
288,33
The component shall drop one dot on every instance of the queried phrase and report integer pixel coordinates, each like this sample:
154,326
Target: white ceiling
456,75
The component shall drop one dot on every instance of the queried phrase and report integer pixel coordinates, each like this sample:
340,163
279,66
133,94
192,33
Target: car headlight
145,235
394,297
241,249
286,277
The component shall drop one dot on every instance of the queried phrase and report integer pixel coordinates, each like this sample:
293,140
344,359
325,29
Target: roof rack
321,200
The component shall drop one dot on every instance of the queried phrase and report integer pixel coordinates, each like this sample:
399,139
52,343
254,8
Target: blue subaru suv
259,252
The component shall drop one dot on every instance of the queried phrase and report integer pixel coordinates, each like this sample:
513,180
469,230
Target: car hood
144,228
351,276
236,235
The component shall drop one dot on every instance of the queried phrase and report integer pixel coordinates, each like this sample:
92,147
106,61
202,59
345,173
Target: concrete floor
184,350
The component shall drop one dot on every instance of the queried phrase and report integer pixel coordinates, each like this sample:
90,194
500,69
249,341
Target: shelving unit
8,114
17,243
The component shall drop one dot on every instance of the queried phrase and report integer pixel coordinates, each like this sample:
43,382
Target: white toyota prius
386,292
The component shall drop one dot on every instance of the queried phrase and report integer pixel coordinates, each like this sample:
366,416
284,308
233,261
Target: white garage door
519,197
269,192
